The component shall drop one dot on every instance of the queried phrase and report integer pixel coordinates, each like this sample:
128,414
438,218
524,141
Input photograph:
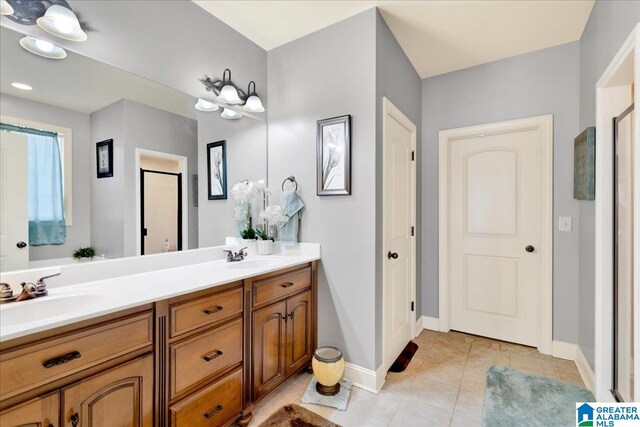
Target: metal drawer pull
214,412
212,310
214,355
287,285
75,419
61,360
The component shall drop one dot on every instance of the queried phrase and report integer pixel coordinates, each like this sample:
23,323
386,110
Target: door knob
393,255
529,248
21,245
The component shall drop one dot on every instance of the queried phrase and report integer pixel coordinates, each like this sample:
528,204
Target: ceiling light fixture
42,48
21,86
5,8
230,114
206,106
62,22
253,104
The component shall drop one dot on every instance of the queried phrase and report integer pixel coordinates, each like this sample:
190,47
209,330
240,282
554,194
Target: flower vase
265,247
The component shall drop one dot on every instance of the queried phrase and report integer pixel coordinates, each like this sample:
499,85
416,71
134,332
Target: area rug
296,416
516,398
339,401
405,357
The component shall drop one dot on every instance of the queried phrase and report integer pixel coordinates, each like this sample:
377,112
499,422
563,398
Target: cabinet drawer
191,315
274,288
205,355
213,406
41,363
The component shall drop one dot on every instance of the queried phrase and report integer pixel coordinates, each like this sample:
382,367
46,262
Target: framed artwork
584,165
104,158
333,152
217,170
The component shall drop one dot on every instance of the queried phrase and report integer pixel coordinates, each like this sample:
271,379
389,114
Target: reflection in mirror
96,157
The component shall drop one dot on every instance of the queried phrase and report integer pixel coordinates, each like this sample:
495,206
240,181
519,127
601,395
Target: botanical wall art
217,170
333,145
104,158
584,165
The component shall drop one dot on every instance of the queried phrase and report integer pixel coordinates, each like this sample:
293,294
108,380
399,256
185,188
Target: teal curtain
46,197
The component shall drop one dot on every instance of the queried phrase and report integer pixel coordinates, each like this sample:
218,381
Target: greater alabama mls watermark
592,414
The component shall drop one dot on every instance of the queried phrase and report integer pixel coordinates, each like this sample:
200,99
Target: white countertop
67,304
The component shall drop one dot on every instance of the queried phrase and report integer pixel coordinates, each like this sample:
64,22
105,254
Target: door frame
544,125
623,70
180,214
182,164
391,111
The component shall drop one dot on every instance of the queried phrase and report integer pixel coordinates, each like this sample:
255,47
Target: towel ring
293,181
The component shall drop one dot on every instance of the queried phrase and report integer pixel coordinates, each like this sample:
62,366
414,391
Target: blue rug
514,398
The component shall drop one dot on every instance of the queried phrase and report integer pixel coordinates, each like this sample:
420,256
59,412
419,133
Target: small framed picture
333,151
104,158
217,170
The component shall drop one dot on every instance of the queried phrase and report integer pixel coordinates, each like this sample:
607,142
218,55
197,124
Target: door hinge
413,306
413,156
413,230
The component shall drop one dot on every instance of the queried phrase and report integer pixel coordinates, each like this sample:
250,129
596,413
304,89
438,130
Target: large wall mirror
94,156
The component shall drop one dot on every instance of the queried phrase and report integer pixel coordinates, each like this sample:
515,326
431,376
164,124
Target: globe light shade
63,23
253,105
230,114
42,48
206,106
5,8
229,95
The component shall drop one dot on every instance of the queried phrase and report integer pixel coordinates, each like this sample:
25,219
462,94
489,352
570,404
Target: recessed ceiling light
42,48
62,22
21,86
203,105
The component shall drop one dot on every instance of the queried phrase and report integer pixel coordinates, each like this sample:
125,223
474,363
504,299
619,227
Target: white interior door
495,208
14,202
161,212
398,240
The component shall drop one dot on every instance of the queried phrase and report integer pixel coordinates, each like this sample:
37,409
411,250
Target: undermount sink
253,263
37,309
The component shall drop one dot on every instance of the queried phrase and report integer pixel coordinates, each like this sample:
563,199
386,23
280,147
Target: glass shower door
623,301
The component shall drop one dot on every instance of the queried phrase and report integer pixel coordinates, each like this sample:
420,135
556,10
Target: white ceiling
437,36
79,83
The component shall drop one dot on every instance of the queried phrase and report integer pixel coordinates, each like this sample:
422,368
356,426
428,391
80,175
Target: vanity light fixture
206,106
5,8
21,86
229,92
62,22
42,48
253,104
230,114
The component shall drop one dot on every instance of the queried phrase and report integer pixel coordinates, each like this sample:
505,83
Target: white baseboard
585,370
419,326
431,323
364,378
564,350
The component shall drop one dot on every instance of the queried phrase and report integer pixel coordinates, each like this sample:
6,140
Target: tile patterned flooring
443,385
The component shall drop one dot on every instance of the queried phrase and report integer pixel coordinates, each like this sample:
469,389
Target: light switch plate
564,223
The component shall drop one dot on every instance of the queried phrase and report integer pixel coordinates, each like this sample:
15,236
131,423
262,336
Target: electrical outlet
564,223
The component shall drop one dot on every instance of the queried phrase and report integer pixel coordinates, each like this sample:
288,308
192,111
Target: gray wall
79,233
246,159
539,83
325,74
132,125
608,27
397,80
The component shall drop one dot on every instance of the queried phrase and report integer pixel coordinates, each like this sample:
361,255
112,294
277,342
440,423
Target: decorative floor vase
328,367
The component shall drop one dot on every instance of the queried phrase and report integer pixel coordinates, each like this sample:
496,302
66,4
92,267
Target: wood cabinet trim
280,286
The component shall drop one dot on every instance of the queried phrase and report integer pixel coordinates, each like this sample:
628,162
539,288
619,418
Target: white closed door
14,202
495,208
398,240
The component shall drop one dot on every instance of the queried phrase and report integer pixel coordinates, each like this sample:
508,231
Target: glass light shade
63,23
21,86
229,95
230,114
5,8
253,105
42,48
206,106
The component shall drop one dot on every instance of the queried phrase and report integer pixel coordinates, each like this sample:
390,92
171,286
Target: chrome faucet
237,256
29,290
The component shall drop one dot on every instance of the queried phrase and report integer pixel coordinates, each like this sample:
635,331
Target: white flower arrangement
245,191
274,214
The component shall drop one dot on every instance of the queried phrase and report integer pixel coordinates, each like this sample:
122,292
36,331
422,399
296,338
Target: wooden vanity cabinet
42,411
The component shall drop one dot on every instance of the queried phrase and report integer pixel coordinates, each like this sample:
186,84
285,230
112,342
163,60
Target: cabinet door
298,343
119,397
40,412
269,338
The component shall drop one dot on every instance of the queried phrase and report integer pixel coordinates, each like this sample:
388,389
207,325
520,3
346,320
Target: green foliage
87,252
248,234
262,235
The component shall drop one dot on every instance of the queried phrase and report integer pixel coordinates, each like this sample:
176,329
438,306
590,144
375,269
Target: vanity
198,348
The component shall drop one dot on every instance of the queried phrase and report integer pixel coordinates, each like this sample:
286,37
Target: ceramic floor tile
469,404
458,421
410,413
368,409
433,393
